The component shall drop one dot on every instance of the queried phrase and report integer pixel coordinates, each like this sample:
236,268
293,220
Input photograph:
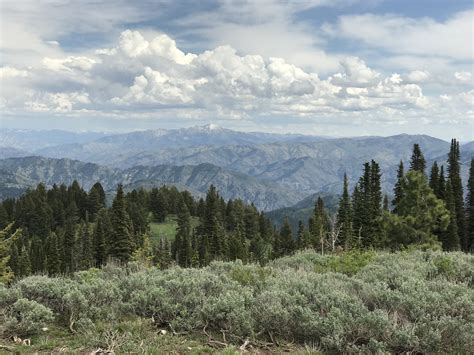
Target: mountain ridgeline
18,174
272,171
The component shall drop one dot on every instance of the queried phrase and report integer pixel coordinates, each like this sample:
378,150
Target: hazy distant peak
211,127
158,132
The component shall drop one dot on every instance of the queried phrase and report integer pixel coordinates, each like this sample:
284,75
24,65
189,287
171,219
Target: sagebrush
414,301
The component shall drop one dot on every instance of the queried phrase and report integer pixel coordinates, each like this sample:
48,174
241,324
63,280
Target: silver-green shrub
24,318
412,301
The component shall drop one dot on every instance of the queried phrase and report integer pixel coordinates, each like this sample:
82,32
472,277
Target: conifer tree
201,208
100,190
212,224
320,224
72,212
183,253
367,206
69,246
287,243
450,237
100,237
257,250
204,250
441,191
42,211
251,226
162,257
6,240
418,162
375,203
24,264
95,199
344,216
358,217
398,191
420,214
238,248
386,204
262,248
454,175
158,204
87,257
195,250
79,197
12,267
265,228
177,249
120,246
4,219
53,254
37,255
470,209
438,185
300,235
434,177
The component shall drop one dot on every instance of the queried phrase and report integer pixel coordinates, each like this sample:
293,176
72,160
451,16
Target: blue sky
326,67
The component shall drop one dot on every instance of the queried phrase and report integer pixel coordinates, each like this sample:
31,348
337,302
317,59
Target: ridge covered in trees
65,228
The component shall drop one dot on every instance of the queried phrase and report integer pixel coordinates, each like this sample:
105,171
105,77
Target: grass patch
135,335
167,229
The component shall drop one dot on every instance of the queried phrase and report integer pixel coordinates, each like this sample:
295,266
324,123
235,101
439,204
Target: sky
322,67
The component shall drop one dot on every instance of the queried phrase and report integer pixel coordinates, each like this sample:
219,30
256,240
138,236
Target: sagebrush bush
24,317
411,301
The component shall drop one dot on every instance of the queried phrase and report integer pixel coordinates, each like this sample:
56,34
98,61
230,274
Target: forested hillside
65,229
18,174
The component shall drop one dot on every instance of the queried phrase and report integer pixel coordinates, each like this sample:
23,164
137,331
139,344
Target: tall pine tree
399,188
418,162
101,237
69,246
87,256
367,206
420,214
319,224
454,175
182,244
441,191
470,209
450,237
287,243
53,254
434,177
212,226
120,244
344,216
6,240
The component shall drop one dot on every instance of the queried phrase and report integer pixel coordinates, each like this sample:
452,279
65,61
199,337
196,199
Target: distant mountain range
30,140
18,174
273,171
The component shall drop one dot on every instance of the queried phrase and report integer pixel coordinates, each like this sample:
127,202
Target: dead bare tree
334,232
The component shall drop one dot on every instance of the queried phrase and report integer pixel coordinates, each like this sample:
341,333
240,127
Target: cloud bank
150,76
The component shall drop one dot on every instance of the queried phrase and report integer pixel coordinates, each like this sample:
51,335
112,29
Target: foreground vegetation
411,301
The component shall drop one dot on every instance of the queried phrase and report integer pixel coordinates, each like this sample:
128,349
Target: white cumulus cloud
146,75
